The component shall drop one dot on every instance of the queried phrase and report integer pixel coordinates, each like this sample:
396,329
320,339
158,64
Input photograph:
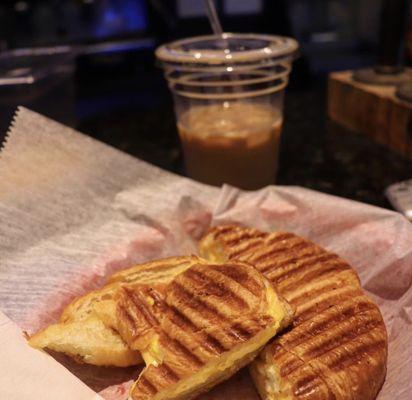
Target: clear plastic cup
228,95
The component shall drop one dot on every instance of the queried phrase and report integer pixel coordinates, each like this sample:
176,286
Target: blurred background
90,64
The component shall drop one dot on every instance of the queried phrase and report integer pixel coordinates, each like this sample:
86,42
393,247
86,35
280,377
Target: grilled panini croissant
198,330
337,347
82,335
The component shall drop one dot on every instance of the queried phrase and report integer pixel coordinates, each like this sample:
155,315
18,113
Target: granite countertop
136,116
315,152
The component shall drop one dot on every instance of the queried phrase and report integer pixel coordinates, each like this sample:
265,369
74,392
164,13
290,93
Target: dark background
97,72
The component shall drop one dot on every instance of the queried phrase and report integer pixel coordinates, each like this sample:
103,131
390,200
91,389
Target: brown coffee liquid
237,144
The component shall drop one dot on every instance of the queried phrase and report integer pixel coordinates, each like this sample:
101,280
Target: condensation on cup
228,94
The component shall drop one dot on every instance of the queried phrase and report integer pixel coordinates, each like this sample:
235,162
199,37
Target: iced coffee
228,96
234,143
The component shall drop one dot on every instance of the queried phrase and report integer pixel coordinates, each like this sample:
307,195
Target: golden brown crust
338,331
346,345
295,378
188,330
159,271
74,336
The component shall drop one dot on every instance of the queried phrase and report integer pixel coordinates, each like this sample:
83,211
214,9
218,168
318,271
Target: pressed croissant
337,347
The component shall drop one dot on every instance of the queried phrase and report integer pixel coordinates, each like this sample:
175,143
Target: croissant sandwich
82,335
337,346
199,329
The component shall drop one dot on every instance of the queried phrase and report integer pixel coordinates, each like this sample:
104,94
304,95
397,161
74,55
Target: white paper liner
73,210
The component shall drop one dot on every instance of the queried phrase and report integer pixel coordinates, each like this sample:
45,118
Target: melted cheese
153,355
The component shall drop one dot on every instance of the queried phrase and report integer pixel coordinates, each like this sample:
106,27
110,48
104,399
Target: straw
218,31
213,17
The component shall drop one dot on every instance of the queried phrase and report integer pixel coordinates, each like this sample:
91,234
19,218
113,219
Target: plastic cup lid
230,48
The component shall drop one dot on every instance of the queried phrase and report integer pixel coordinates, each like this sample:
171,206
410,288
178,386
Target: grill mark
290,367
195,303
127,318
281,236
235,273
203,308
237,254
317,328
293,258
243,333
176,346
292,363
363,306
241,237
301,317
332,343
295,247
208,342
168,372
316,274
214,344
183,322
224,230
347,359
324,258
140,306
306,385
146,386
156,296
339,286
214,288
312,294
240,332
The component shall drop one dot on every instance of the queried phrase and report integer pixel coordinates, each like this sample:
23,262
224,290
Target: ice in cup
228,95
